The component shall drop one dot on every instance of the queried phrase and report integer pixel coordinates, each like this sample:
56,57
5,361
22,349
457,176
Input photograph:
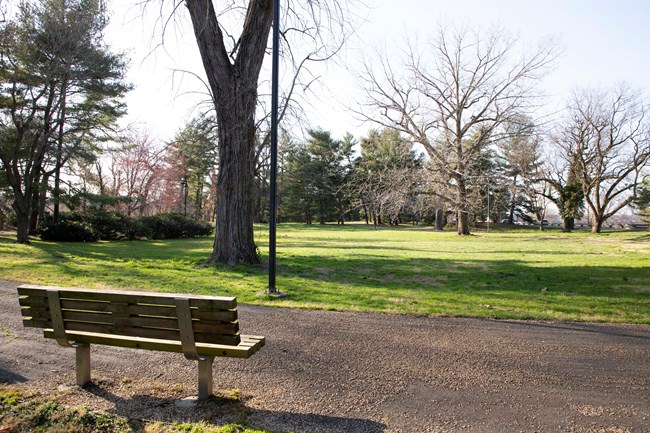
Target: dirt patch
474,265
427,282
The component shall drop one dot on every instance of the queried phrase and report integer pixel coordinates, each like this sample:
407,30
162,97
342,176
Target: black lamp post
184,185
274,146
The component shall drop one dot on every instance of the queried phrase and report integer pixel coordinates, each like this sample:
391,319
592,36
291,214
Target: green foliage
60,91
194,155
31,414
386,176
173,226
9,397
96,225
69,228
568,194
315,179
642,202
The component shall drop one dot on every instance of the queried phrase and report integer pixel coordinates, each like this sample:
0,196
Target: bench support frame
83,364
205,377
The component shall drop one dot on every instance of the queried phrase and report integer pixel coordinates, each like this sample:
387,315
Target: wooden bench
200,327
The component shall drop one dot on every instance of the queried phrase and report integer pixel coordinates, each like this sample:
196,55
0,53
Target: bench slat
132,331
208,302
39,318
250,344
39,308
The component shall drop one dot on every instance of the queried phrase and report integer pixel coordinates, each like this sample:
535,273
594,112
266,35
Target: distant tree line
454,140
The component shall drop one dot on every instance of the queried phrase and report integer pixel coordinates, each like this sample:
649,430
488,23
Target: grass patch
513,274
31,412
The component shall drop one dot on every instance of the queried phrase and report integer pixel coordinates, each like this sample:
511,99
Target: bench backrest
133,314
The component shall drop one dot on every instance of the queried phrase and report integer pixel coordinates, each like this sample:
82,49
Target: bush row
97,225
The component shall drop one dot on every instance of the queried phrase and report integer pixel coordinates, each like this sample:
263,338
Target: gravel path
352,372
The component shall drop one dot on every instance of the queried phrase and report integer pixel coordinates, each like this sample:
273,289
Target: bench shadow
221,410
9,377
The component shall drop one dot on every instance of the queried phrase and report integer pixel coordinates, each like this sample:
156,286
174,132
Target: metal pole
488,206
274,145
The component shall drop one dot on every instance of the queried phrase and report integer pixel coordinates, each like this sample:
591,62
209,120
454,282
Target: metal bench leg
83,364
205,377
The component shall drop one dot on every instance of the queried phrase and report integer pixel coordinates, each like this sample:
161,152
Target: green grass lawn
517,273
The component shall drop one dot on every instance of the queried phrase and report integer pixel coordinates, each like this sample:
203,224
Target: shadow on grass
219,410
463,284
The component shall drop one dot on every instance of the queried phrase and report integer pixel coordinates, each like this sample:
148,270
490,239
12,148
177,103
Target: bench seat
200,327
248,345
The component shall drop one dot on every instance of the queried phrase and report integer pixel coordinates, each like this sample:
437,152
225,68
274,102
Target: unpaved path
351,372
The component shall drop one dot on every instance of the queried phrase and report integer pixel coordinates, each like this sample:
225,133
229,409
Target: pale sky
605,42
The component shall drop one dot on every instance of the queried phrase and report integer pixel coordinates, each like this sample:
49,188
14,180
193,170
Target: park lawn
506,273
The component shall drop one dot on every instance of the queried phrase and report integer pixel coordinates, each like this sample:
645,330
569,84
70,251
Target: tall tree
642,202
565,189
316,178
607,134
386,174
233,71
520,155
463,85
296,189
59,87
194,153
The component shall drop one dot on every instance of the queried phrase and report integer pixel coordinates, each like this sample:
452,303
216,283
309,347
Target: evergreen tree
520,164
60,89
316,178
566,192
386,175
193,154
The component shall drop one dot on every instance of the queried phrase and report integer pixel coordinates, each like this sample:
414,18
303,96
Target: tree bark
597,225
462,217
440,219
234,91
22,221
567,224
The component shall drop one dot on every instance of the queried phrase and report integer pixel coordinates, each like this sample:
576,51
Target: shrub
173,226
111,225
69,228
95,225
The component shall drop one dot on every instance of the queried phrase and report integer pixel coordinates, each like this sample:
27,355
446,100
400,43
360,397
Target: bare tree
232,41
454,97
607,134
536,201
137,171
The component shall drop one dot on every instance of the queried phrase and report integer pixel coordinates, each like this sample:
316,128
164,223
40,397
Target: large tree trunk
462,216
23,211
234,240
567,224
597,225
440,219
234,91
